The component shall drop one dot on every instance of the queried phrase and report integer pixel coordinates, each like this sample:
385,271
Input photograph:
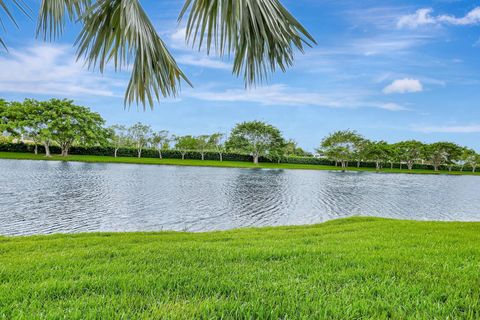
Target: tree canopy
256,138
139,134
54,120
341,146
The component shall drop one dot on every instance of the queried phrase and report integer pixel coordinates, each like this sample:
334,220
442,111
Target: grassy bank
209,163
345,269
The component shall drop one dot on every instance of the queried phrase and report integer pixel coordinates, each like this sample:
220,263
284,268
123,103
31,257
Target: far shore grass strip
214,163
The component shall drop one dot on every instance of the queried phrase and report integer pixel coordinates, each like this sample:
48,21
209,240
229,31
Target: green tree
12,118
378,152
140,135
203,144
70,124
278,152
454,154
32,121
185,144
474,161
256,138
31,118
159,141
118,136
260,35
4,116
292,149
360,150
393,155
217,141
340,146
441,153
464,157
411,151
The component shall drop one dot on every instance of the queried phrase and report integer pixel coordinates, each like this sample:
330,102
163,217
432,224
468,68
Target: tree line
65,124
349,146
62,123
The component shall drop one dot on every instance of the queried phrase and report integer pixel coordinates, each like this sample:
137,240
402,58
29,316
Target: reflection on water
39,197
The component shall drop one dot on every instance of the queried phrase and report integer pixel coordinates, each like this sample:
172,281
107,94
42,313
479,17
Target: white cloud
281,95
178,38
390,106
473,17
190,56
404,86
203,62
423,17
448,129
420,18
49,69
386,45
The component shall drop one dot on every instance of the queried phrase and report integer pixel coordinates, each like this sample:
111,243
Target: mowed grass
353,268
211,163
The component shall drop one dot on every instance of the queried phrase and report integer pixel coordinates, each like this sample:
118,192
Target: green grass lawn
344,269
210,163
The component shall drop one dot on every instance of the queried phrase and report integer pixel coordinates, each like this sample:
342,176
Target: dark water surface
40,197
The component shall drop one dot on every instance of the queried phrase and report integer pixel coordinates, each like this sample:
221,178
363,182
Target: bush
5,139
195,155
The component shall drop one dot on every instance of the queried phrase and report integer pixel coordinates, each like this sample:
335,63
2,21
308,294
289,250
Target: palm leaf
53,15
19,4
118,31
261,34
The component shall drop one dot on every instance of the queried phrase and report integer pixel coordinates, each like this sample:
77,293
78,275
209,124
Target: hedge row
195,155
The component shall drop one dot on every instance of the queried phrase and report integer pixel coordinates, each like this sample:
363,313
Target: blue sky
391,70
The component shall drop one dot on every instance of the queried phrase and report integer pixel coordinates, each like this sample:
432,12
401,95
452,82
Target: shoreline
218,164
251,229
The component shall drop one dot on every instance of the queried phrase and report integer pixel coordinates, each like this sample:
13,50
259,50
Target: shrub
194,155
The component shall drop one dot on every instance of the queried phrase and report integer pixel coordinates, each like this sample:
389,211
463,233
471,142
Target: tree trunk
160,153
358,164
64,151
139,153
36,149
255,159
183,155
47,149
391,166
410,165
203,156
221,157
116,150
435,167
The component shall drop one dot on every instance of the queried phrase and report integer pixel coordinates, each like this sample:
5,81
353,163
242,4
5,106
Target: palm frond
119,31
20,5
261,34
53,15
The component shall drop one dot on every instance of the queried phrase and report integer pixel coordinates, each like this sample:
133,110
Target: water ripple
42,197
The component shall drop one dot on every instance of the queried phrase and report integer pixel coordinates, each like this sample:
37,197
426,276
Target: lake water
41,197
